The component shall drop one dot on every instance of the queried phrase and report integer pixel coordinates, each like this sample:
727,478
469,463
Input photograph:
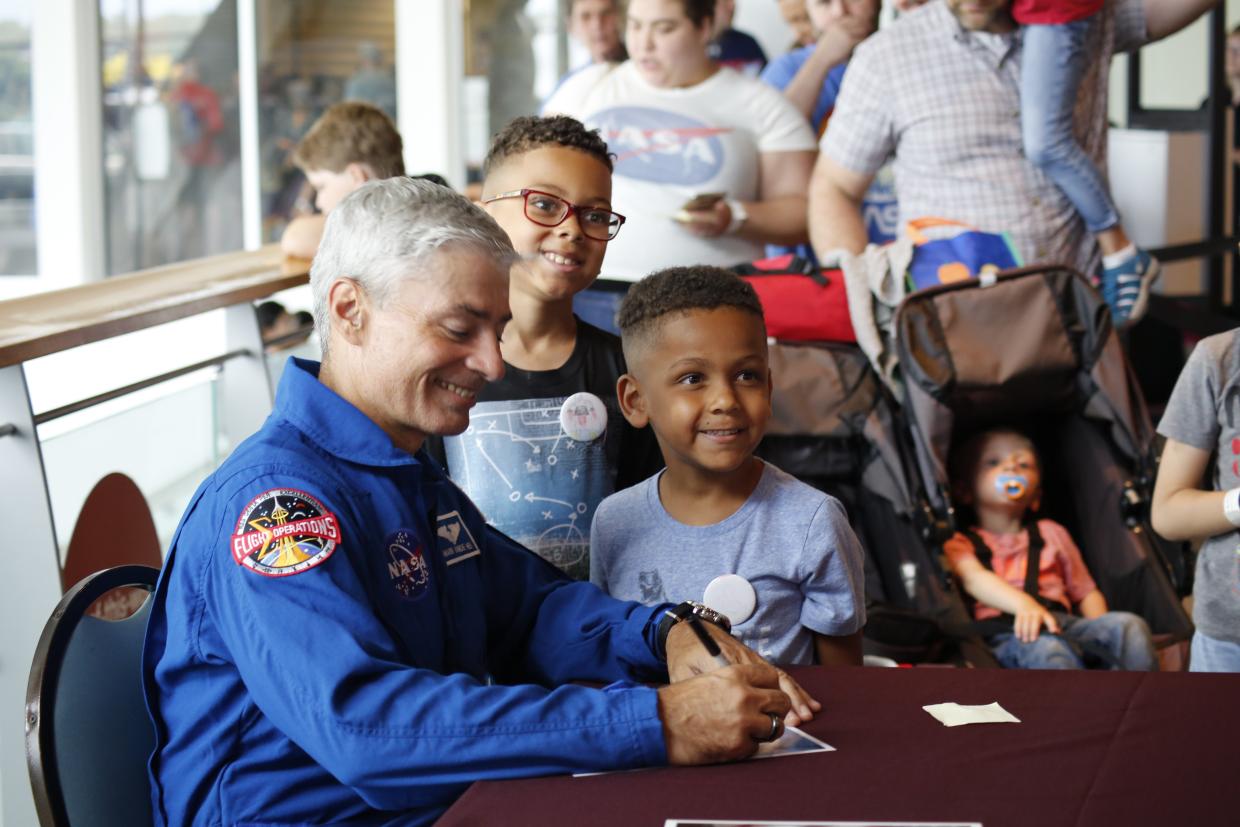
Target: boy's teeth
556,258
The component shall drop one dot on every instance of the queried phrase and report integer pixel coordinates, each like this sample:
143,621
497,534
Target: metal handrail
107,396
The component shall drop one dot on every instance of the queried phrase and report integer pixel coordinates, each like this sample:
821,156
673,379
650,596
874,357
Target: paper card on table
792,742
702,822
952,714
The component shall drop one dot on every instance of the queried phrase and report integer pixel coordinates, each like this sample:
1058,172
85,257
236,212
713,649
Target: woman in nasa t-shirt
682,126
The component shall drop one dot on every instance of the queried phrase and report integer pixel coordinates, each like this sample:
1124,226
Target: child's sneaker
1126,286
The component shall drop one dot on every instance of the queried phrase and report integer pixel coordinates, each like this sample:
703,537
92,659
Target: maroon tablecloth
1094,748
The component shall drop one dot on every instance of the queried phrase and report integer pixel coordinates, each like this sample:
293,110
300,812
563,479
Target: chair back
88,733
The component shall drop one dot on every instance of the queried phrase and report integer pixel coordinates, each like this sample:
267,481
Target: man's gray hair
386,230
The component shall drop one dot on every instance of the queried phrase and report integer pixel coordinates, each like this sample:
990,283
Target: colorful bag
801,302
946,251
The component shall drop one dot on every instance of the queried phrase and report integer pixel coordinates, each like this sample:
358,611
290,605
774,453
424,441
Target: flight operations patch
284,531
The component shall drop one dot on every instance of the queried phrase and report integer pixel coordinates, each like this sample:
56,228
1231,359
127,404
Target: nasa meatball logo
661,146
284,531
407,567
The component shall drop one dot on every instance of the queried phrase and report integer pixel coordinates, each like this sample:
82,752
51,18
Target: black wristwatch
683,612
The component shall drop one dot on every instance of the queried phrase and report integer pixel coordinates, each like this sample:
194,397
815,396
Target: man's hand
722,715
1030,619
687,658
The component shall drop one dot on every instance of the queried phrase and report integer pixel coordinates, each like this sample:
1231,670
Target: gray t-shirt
1204,412
790,541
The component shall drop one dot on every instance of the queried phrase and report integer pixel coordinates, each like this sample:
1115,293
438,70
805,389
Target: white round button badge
583,416
732,595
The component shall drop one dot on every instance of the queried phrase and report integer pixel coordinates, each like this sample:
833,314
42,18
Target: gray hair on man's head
387,229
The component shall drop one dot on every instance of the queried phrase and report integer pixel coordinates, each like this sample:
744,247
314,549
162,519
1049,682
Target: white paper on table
792,742
953,714
680,822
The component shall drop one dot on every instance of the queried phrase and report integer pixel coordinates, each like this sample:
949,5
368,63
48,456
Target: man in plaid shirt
939,91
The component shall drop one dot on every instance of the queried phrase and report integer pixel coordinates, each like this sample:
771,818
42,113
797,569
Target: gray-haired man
339,637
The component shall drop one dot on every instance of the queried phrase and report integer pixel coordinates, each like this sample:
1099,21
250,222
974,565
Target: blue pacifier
1012,486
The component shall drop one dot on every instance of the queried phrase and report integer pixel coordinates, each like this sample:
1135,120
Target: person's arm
835,219
1181,510
989,588
838,650
779,214
302,235
1166,17
1092,605
833,48
346,691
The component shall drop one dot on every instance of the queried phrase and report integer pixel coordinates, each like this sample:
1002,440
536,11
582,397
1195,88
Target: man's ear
632,402
347,310
360,172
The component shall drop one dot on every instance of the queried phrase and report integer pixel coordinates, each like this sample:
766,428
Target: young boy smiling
719,525
547,443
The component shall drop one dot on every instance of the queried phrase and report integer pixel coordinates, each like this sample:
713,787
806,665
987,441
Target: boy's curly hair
677,290
530,132
352,132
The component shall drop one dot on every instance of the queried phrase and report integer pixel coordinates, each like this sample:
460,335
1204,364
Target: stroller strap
1033,562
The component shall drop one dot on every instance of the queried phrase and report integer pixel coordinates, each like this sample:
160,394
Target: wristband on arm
1231,506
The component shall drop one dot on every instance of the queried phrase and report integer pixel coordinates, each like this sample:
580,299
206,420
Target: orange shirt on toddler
1062,575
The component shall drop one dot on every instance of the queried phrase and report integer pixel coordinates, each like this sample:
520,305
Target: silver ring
774,727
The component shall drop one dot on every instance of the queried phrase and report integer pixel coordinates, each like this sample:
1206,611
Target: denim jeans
1123,634
1053,62
1209,654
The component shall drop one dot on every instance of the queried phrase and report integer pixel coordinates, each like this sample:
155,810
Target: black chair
88,734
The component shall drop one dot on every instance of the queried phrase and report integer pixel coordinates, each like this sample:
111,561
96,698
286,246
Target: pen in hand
712,648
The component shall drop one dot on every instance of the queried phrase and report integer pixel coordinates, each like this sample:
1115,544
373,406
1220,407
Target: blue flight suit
339,638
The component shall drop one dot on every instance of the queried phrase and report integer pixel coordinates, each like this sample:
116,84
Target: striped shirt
944,102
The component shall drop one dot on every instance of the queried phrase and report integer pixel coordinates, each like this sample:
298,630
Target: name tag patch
455,541
284,531
407,569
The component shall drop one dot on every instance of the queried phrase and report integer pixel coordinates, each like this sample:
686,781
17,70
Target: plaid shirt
945,103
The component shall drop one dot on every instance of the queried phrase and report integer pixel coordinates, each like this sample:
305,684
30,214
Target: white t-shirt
672,144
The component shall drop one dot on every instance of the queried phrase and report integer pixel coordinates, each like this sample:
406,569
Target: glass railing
155,376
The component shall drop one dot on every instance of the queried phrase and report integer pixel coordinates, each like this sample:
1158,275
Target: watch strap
739,216
683,611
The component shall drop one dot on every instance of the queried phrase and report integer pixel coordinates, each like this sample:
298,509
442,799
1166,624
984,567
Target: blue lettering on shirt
660,146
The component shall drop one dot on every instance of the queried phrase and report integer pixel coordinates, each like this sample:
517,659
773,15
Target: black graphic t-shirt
531,479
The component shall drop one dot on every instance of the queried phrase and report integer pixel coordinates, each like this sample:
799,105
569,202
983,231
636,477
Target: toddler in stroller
1027,573
1035,348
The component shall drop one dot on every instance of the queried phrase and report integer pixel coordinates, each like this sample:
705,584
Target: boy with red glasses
547,442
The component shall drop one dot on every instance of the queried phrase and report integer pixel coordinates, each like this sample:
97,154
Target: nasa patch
284,531
455,541
407,569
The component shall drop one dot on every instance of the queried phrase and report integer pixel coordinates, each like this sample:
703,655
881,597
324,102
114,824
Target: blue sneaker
1126,287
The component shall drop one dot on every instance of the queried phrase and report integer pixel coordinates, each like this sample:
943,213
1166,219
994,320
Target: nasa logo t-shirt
673,144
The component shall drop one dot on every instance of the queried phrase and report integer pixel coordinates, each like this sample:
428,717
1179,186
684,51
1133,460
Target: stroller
835,426
1034,348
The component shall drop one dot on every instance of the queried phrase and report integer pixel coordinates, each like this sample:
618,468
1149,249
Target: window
171,142
18,256
311,54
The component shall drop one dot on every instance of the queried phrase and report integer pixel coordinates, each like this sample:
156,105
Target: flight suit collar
331,422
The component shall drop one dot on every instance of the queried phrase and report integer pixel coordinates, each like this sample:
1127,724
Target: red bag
801,302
